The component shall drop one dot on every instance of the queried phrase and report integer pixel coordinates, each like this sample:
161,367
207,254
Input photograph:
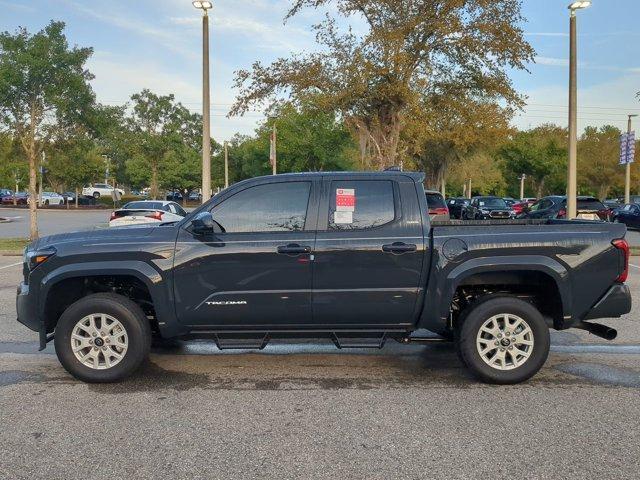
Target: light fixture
579,5
202,5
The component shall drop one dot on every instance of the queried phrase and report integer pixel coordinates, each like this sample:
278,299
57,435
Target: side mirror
203,223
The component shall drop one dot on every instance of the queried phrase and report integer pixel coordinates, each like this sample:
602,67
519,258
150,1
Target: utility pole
572,172
226,165
443,186
469,191
522,178
627,167
206,111
273,155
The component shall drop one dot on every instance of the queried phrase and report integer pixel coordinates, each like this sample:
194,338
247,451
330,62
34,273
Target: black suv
487,208
555,206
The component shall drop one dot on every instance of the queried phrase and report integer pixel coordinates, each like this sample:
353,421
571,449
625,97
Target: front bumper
26,306
615,303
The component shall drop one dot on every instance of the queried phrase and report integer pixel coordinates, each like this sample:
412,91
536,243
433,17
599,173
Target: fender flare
161,293
438,316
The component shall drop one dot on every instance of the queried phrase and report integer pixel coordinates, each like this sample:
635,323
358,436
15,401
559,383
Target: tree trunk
154,181
540,189
33,194
77,198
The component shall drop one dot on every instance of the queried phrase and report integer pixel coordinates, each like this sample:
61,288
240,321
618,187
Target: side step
247,343
359,340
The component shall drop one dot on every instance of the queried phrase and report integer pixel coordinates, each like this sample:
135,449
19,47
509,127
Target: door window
273,207
361,205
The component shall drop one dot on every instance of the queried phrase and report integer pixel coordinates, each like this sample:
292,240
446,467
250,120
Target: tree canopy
409,52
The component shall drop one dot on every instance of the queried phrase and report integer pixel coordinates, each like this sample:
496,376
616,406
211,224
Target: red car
21,198
519,207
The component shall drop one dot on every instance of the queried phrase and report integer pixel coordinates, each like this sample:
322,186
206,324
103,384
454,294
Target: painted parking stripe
634,266
12,265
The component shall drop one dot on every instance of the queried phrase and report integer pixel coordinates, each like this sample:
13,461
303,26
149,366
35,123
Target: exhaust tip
599,330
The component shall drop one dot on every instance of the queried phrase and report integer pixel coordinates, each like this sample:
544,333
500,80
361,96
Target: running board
248,343
376,341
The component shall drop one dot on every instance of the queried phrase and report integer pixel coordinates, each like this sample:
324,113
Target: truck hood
107,234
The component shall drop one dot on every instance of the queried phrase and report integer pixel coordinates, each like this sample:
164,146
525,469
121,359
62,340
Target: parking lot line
634,266
12,265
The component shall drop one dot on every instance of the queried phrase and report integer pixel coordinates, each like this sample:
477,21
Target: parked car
509,201
69,197
195,197
20,198
98,190
147,211
347,256
529,200
174,196
555,206
628,214
613,203
438,211
487,208
48,198
519,207
456,206
5,191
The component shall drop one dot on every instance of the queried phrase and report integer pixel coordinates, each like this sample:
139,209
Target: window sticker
342,217
345,200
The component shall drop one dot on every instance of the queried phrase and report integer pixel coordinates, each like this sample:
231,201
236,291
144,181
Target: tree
541,154
43,85
411,50
307,140
598,160
14,170
165,134
484,172
453,128
74,162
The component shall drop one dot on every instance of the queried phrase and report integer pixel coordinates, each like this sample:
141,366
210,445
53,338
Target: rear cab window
435,200
361,204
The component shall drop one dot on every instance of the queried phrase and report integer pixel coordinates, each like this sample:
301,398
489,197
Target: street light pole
206,111
627,167
522,179
572,172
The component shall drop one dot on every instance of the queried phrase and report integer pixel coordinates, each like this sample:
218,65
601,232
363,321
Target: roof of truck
416,176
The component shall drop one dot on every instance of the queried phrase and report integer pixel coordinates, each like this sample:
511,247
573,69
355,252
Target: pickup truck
350,257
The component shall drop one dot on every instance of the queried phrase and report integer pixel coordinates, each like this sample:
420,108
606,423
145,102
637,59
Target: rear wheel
102,338
503,340
96,195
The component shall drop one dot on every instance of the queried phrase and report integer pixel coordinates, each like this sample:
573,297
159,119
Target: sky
157,45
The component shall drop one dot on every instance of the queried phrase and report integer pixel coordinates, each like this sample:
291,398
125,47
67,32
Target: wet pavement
304,410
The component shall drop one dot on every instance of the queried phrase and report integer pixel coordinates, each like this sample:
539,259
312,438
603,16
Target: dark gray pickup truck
350,257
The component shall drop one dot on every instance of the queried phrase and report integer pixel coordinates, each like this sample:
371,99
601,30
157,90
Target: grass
12,245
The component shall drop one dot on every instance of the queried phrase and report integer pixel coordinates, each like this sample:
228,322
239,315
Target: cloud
166,38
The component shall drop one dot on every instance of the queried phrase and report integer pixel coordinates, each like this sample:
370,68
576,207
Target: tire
96,195
46,202
100,306
501,364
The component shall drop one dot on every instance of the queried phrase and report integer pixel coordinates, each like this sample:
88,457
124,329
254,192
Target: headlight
33,258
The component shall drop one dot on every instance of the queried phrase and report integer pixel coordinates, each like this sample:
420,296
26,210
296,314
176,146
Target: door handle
293,249
399,248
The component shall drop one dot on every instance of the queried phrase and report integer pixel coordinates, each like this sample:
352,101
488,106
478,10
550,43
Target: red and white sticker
345,199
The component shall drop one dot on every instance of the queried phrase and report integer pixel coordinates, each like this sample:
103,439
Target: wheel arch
542,273
54,295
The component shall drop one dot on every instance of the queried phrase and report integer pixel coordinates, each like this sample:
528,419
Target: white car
49,198
98,190
147,212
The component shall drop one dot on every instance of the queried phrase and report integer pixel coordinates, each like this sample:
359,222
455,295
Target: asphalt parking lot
309,411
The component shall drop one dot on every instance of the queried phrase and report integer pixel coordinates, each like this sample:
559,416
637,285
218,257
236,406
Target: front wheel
102,338
96,195
503,340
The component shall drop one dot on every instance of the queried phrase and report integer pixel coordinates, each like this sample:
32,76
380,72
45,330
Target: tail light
439,211
622,244
155,215
562,213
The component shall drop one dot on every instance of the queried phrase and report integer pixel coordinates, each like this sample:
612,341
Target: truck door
369,252
258,271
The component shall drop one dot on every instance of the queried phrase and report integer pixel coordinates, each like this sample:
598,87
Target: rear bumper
26,308
615,303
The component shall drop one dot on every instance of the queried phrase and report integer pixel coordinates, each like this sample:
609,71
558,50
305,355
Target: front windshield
492,203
